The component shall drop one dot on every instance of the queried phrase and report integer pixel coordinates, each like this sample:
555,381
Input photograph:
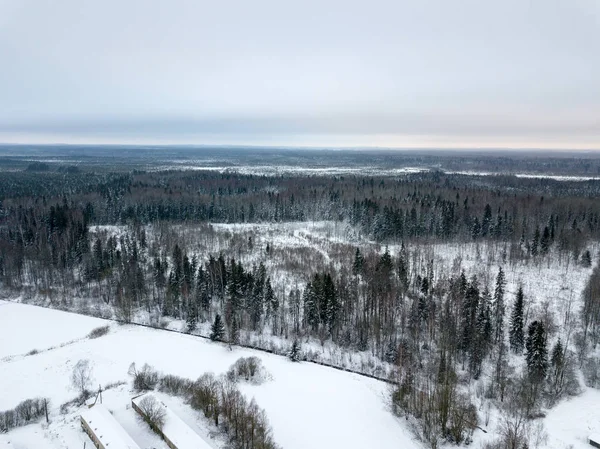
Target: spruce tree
295,351
391,352
270,299
469,314
535,244
545,241
357,266
256,296
192,319
311,311
516,336
234,331
498,305
217,330
536,352
483,333
403,267
557,358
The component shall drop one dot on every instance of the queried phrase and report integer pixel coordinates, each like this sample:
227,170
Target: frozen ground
308,405
39,328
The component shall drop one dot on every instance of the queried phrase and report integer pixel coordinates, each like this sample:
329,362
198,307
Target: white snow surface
107,429
307,405
177,431
31,328
572,422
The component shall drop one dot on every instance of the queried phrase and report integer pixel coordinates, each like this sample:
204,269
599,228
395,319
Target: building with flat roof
104,430
176,433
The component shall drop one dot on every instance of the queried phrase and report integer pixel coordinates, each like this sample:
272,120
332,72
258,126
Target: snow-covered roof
177,431
595,437
107,429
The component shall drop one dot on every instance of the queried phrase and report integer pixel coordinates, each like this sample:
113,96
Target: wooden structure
104,430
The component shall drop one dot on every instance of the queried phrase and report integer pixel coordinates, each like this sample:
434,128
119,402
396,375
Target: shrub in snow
249,369
98,332
144,379
175,385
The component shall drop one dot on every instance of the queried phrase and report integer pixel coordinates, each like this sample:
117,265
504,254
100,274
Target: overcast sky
424,73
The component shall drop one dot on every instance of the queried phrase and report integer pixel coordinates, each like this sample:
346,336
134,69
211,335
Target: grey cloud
428,71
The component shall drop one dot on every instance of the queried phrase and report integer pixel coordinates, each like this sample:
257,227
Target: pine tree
498,305
557,359
357,266
535,244
256,297
403,267
545,241
484,320
516,336
295,352
483,333
469,314
487,218
217,330
270,299
536,352
311,311
192,318
560,372
234,331
391,352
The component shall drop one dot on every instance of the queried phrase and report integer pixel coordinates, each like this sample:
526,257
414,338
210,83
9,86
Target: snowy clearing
47,328
308,405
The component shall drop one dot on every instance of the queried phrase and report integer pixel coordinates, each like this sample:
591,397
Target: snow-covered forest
475,297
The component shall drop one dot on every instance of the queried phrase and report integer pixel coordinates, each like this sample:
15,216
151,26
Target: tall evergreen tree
557,359
516,336
357,266
270,299
234,331
469,315
192,317
403,267
217,330
537,352
311,311
483,334
545,241
535,244
499,309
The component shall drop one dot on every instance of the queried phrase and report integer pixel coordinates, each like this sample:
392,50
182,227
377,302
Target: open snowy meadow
307,405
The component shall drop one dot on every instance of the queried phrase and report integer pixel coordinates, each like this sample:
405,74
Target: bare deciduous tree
81,377
154,412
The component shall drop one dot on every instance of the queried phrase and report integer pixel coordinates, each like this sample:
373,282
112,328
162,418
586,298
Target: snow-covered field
40,329
308,405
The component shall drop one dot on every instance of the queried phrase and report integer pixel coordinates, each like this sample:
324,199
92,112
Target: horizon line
306,147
